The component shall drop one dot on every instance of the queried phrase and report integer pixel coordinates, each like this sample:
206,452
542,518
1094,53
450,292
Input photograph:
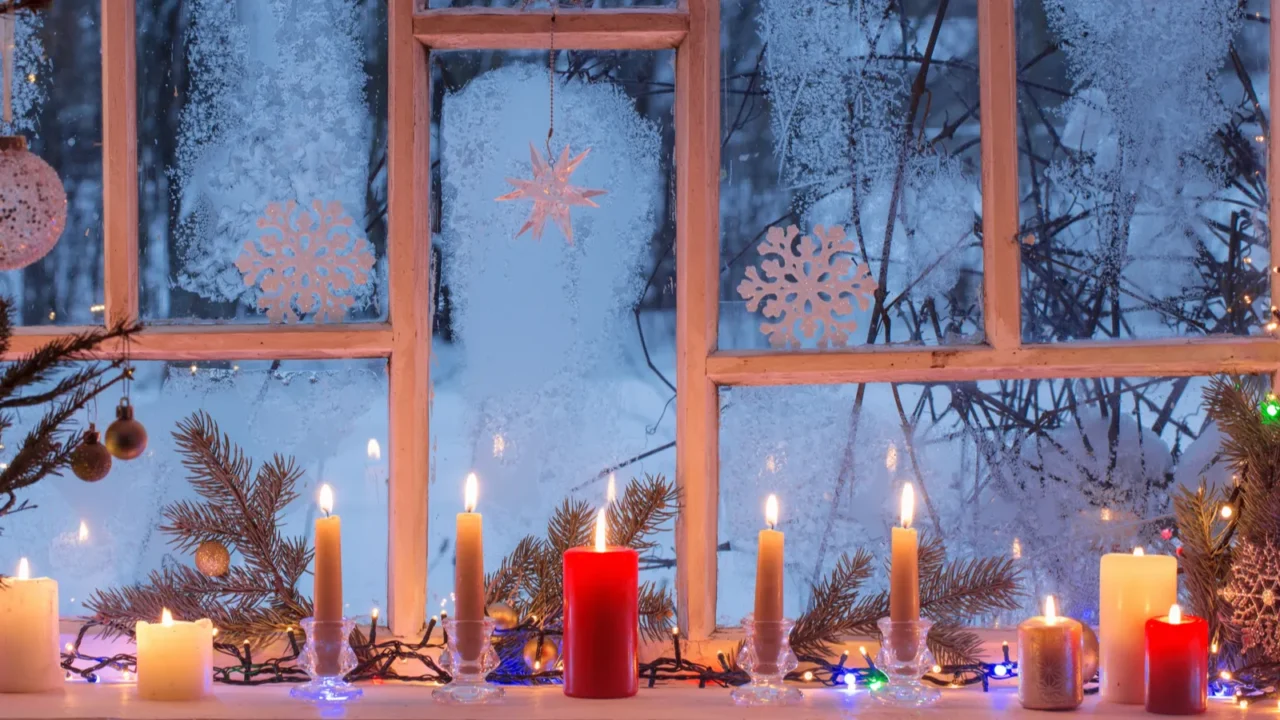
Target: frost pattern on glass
322,413
30,63
1143,169
1051,473
541,384
276,113
850,142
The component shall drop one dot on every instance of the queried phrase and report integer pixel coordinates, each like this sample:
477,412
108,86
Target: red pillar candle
1177,649
601,619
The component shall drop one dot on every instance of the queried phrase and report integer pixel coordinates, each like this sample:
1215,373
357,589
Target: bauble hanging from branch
126,438
90,461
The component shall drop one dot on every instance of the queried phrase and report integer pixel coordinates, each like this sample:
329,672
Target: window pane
823,124
327,415
1052,473
1142,146
541,379
57,106
262,157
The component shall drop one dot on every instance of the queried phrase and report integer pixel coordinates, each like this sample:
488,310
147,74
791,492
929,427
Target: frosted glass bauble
33,205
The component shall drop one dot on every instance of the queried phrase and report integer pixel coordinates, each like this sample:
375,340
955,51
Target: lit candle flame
1050,610
83,534
1139,551
601,526
471,492
166,617
612,492
908,504
24,569
771,512
326,499
1175,615
373,449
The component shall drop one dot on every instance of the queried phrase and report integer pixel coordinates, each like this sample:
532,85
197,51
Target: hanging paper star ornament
551,193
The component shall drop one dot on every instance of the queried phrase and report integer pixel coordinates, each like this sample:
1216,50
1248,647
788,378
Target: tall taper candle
29,633
328,583
769,589
468,573
1134,589
904,574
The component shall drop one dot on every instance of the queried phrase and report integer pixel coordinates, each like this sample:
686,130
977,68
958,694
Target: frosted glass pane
1142,151
539,356
262,159
323,414
822,125
57,106
1052,473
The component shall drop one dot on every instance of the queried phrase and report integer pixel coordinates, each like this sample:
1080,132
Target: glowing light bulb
1226,512
374,613
808,676
908,505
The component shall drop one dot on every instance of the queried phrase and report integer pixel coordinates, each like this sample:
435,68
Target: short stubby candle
1177,664
175,659
1050,661
29,660
1134,589
601,619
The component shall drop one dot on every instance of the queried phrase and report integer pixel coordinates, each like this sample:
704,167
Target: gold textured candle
1050,661
1134,589
468,572
769,587
29,633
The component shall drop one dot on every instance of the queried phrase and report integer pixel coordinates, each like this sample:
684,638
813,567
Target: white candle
175,659
1134,589
29,633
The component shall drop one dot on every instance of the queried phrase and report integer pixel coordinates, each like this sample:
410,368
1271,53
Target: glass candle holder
470,658
327,657
766,656
904,658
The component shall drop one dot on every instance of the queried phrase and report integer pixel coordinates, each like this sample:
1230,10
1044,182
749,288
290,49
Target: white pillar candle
175,659
29,660
1134,589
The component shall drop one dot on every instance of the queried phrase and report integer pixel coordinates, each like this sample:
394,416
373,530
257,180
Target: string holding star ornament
551,193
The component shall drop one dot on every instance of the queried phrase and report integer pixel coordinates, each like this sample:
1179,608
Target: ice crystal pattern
806,287
306,262
1253,593
551,193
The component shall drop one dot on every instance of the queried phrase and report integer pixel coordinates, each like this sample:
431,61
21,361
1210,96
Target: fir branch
513,573
836,608
657,608
644,507
571,525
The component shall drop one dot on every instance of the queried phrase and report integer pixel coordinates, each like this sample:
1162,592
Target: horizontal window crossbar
515,29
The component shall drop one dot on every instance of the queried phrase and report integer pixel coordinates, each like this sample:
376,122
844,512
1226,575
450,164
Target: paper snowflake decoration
551,193
1254,596
807,286
306,262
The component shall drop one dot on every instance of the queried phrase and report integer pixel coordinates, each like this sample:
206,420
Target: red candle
1177,664
601,619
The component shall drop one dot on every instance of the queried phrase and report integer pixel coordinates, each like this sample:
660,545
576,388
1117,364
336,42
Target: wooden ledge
513,29
230,342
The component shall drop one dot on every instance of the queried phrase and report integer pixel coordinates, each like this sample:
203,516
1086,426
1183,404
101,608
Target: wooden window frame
692,28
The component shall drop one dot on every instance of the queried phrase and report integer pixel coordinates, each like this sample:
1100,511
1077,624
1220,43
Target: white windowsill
82,701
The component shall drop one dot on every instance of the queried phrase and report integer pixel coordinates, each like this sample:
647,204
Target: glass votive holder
470,659
327,657
904,658
766,656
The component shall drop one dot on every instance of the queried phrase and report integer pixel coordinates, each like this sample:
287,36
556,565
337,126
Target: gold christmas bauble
1090,659
504,616
213,559
540,657
90,461
126,438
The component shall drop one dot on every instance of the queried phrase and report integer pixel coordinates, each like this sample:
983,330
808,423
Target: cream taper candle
328,586
175,659
29,633
904,579
468,572
769,589
1134,589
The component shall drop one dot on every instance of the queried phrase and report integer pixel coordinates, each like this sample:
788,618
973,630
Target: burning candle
328,587
769,590
1050,661
904,575
601,619
29,633
175,659
468,573
1177,652
1134,588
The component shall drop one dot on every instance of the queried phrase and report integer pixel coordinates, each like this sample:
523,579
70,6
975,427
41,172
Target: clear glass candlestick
904,658
327,657
470,658
766,656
